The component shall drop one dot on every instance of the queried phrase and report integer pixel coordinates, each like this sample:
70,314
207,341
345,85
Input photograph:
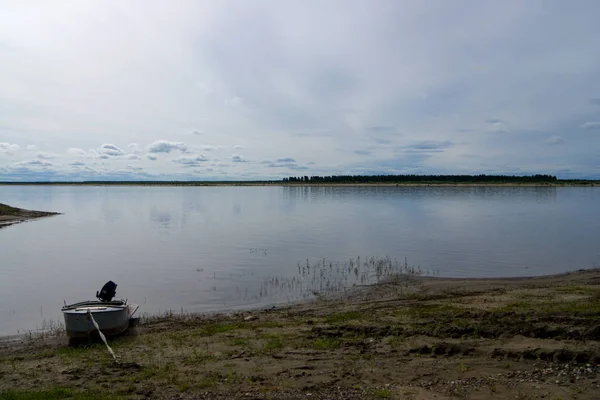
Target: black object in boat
109,290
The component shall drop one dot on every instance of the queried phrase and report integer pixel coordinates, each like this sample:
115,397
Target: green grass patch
584,307
341,317
184,387
427,309
397,341
326,343
8,210
215,328
574,289
273,342
56,393
149,372
208,381
587,307
199,357
239,342
80,351
516,306
382,393
269,324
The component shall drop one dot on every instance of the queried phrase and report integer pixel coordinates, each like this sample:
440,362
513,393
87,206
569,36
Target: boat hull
112,318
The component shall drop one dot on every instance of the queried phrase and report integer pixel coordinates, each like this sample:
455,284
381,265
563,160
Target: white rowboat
113,317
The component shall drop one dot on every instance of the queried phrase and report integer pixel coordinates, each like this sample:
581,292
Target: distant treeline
343,179
423,179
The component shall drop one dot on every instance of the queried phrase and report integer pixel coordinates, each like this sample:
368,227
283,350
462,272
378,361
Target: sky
245,90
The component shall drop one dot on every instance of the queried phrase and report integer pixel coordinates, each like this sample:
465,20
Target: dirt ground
410,338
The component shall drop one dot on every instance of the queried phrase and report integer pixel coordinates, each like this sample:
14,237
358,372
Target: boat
112,316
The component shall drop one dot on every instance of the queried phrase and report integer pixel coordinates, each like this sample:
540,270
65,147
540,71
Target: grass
424,309
216,328
326,343
341,317
274,342
584,307
51,394
575,289
80,351
184,387
517,306
8,210
587,306
149,372
239,342
208,381
397,341
199,358
382,393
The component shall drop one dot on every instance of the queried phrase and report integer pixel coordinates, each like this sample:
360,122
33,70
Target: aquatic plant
326,276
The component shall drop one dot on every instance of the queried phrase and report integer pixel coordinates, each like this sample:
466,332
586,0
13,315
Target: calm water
212,248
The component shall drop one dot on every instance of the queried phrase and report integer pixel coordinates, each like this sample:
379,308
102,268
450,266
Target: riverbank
12,215
411,338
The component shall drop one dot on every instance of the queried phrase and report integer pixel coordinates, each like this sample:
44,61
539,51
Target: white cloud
132,157
429,145
75,151
591,125
44,156
193,161
555,140
8,148
211,147
36,163
110,150
32,147
164,146
134,148
151,157
237,158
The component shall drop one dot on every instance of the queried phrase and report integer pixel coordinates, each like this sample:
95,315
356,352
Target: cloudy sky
267,89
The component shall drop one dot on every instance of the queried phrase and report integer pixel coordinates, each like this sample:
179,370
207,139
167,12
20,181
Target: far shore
311,184
412,337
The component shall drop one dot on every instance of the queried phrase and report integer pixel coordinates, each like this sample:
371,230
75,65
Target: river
197,249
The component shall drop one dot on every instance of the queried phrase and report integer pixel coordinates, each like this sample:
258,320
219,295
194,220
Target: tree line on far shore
538,178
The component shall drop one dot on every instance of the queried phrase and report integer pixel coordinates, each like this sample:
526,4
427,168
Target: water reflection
160,218
304,193
237,209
